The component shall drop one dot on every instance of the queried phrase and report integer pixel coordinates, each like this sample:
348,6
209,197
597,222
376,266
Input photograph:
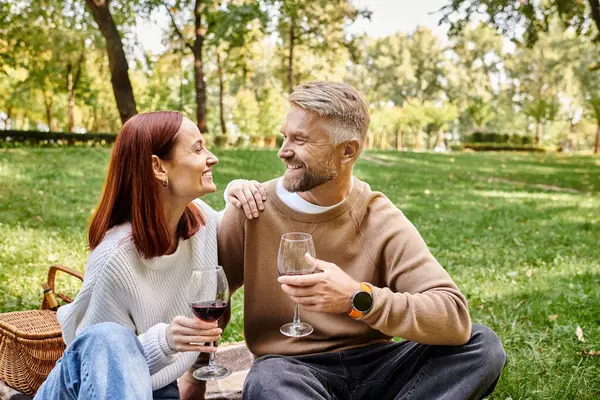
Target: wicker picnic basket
31,341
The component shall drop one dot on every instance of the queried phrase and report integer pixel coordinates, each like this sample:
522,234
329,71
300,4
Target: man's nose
285,151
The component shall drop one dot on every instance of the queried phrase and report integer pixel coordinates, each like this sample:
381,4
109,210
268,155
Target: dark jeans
404,370
169,392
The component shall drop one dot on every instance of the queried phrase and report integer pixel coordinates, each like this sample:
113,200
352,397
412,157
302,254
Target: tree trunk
291,56
70,96
399,139
595,4
440,138
72,82
221,94
540,133
9,119
597,147
48,104
417,143
369,141
199,68
119,67
383,142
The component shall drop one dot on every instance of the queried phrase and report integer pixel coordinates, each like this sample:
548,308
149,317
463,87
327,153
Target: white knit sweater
143,295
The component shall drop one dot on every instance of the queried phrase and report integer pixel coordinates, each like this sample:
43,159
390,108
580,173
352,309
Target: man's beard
322,173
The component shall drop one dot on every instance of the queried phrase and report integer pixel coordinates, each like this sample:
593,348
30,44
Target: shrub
502,147
11,138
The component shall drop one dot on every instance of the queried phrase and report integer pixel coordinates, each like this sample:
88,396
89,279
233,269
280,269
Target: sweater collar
357,190
168,261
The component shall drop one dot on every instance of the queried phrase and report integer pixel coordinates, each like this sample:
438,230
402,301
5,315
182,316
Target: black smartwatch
362,301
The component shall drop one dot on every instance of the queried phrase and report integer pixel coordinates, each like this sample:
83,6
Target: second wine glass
208,294
291,261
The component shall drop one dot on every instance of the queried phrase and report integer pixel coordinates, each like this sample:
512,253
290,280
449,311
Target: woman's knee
106,336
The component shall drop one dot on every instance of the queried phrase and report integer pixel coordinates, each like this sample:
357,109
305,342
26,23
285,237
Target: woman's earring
165,183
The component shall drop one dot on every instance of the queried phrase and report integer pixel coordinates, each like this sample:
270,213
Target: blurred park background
485,121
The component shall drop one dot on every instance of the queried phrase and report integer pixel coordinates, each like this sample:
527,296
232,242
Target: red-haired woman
130,332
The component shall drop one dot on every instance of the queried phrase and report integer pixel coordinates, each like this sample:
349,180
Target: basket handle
51,279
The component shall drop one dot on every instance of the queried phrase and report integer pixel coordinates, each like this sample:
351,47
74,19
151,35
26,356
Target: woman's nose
212,160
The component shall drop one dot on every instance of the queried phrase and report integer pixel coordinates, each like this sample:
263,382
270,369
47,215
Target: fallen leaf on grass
590,353
579,333
529,273
552,317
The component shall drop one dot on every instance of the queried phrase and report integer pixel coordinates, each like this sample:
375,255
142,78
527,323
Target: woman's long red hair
131,191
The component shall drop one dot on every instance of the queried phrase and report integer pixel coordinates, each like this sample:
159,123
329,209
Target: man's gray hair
343,109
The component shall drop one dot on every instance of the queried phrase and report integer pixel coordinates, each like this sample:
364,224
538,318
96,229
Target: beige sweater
372,241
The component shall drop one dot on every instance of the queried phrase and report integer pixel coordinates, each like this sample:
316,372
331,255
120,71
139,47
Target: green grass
520,234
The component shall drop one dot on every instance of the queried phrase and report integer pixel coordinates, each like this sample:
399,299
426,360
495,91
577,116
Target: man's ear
351,150
159,168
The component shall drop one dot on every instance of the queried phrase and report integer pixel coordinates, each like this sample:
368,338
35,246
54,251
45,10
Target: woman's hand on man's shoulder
248,195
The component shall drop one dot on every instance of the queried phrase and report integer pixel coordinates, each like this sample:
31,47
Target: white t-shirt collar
297,203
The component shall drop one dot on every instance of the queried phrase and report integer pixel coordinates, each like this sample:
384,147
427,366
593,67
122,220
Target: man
377,278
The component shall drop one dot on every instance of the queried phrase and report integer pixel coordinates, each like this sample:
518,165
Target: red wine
209,310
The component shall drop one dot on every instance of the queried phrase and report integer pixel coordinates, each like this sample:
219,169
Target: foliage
534,16
422,89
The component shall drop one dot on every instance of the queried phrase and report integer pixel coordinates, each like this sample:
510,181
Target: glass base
211,373
298,329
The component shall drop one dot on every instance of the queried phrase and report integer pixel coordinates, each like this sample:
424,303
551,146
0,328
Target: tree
438,116
387,70
479,55
119,67
412,119
538,76
215,24
590,90
385,124
49,42
313,25
534,16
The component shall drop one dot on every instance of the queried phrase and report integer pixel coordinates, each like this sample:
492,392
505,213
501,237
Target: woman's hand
190,334
249,195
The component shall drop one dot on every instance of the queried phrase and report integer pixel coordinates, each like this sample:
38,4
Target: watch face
363,301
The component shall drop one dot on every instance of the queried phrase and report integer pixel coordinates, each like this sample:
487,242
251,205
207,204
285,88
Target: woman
130,332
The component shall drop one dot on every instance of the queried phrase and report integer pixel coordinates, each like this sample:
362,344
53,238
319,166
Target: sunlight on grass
527,195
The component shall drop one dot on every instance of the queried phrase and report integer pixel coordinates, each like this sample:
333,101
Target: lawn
519,233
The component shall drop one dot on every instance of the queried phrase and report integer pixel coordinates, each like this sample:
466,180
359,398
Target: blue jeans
400,371
105,362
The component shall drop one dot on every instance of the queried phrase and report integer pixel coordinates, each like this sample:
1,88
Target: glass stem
211,358
297,314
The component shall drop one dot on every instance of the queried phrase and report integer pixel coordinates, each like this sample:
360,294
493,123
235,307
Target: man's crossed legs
404,370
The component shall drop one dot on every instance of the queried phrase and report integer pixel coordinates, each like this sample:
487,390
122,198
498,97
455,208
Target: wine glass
208,295
291,261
